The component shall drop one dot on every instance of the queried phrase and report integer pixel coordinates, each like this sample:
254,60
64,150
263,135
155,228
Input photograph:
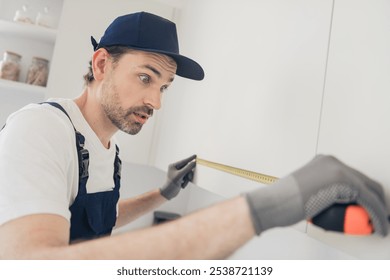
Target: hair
116,52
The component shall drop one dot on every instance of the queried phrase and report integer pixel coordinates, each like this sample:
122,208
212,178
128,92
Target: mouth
141,117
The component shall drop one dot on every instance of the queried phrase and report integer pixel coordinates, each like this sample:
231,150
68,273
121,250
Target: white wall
273,98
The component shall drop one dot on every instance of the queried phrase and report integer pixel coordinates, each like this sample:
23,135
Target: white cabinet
355,112
28,40
259,105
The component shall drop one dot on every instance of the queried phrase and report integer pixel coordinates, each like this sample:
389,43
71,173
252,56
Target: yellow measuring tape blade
251,175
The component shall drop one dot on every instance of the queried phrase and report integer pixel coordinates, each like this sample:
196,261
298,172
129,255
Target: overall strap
82,153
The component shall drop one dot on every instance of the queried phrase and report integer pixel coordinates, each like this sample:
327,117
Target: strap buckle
83,156
83,163
117,164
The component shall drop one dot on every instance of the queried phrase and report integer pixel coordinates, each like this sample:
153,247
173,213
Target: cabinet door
259,105
356,113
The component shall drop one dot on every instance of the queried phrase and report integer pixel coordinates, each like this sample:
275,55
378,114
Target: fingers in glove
180,164
187,178
372,199
377,212
184,171
352,174
371,184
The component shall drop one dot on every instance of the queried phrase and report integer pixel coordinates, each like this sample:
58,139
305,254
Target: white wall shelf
22,90
25,30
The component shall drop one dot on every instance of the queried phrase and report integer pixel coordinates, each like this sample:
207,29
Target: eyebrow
155,71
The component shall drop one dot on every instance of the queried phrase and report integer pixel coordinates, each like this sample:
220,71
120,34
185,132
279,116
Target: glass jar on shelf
24,15
10,66
44,18
38,72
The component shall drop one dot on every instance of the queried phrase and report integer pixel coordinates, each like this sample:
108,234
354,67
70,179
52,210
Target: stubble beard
120,117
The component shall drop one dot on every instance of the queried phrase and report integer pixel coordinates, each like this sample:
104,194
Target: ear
100,61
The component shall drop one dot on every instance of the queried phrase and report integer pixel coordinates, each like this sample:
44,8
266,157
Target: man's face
133,88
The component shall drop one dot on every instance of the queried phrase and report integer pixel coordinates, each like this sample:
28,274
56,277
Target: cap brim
188,68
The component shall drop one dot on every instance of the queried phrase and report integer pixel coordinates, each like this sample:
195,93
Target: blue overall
92,214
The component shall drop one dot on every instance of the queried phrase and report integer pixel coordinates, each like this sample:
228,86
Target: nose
153,99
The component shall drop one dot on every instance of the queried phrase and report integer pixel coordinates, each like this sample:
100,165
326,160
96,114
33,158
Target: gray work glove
313,188
179,175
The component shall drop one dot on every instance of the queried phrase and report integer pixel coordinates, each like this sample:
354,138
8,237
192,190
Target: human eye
164,88
145,78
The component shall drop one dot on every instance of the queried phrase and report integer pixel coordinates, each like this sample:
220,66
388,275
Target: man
58,195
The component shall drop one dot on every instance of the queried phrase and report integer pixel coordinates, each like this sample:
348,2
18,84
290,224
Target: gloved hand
313,188
179,174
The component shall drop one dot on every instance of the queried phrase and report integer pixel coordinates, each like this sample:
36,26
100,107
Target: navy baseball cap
151,33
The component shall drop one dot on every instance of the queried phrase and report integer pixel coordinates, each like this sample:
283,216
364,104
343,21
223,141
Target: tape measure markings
247,174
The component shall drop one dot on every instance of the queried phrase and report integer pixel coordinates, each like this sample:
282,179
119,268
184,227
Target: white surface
14,95
19,89
288,244
356,113
28,31
356,106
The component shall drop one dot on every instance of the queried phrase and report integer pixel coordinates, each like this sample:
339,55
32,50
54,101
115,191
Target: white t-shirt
39,164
